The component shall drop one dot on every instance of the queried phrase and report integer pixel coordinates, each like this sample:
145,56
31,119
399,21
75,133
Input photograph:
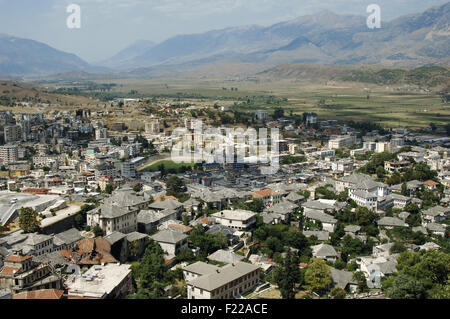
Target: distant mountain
20,57
124,57
323,38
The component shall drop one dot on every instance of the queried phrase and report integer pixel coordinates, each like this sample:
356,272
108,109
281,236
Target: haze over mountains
323,38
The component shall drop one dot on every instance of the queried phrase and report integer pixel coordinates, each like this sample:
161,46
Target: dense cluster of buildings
52,163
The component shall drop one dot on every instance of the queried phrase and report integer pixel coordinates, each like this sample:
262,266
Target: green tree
397,248
287,275
317,276
361,280
109,188
380,172
151,274
28,220
175,186
406,287
79,221
337,293
404,189
98,232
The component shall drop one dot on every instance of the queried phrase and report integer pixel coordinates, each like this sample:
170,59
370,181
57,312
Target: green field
168,166
390,105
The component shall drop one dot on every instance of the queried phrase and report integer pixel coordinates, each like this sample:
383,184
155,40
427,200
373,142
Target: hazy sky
108,26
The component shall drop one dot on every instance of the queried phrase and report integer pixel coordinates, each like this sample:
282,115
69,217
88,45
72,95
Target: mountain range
324,38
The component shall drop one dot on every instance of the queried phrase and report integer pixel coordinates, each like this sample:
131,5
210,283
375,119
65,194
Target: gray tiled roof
125,197
114,237
324,250
436,227
133,236
322,217
169,236
225,256
112,211
201,268
293,196
224,276
342,278
320,234
392,221
352,228
68,237
436,211
166,204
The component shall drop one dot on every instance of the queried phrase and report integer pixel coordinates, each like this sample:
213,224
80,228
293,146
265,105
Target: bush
338,293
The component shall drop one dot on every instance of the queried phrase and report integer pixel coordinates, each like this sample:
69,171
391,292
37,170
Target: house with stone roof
171,241
228,282
324,251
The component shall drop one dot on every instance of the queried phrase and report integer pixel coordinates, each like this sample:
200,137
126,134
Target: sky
108,26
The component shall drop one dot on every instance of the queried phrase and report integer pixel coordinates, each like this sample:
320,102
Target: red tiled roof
430,183
158,199
183,227
37,190
264,192
40,294
8,270
17,259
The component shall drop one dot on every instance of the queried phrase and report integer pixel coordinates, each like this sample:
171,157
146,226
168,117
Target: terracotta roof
36,190
183,227
40,294
158,199
205,220
90,251
430,183
8,270
264,192
17,259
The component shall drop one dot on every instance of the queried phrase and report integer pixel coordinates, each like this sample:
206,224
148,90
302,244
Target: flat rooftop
98,281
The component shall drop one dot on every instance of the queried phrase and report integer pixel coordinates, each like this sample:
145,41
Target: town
93,206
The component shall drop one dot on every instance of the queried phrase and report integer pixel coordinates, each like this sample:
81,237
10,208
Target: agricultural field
389,105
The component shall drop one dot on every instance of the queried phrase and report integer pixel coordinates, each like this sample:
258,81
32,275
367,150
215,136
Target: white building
101,282
171,241
236,219
9,153
111,218
228,282
342,141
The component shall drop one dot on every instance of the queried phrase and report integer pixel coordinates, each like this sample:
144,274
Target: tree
109,188
404,189
406,287
79,221
28,220
421,275
175,186
380,172
433,127
151,273
317,276
98,232
279,112
287,275
361,280
337,293
397,248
